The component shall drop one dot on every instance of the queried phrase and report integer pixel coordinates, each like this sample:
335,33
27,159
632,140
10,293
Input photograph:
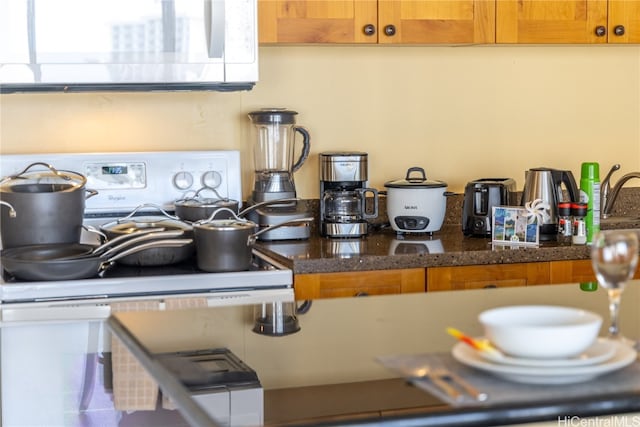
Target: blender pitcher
274,153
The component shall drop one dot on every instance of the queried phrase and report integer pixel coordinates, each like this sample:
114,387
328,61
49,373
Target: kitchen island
328,371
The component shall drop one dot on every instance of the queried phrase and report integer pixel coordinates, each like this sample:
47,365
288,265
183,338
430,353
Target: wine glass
614,257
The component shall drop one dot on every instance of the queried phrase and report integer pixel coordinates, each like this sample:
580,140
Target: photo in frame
514,226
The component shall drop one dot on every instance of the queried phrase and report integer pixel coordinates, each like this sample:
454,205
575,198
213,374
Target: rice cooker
416,204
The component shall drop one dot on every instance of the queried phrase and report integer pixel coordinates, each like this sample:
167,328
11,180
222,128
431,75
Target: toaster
480,196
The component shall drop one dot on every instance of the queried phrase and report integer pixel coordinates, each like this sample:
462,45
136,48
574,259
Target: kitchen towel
180,304
133,388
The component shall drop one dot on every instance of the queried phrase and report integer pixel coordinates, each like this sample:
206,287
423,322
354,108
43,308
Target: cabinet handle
390,30
369,29
361,294
489,287
618,30
601,31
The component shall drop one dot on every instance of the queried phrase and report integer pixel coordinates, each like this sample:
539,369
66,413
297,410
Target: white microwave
82,45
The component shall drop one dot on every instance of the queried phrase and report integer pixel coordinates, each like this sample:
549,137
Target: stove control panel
125,181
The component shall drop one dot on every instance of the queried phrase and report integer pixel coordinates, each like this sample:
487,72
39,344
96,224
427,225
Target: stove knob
183,180
211,179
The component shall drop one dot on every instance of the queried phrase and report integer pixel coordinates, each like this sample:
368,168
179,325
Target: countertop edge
627,403
505,255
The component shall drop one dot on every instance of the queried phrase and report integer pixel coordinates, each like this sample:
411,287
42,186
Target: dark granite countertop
383,249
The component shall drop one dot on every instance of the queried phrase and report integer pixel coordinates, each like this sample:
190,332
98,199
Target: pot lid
414,181
227,225
49,180
206,203
268,116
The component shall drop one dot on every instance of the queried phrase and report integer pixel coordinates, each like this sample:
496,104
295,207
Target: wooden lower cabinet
381,282
575,271
487,276
358,283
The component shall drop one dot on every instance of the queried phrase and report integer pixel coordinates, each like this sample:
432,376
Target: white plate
624,355
603,349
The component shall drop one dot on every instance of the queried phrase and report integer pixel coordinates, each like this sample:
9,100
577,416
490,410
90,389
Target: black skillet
75,260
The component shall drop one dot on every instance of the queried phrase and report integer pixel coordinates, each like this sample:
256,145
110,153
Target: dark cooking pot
49,205
226,244
197,208
156,256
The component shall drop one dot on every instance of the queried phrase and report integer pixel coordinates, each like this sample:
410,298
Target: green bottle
590,194
589,286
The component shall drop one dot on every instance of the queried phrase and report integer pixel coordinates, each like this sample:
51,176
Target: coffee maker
273,156
343,194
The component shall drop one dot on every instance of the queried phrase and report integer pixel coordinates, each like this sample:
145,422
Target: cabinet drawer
487,276
357,283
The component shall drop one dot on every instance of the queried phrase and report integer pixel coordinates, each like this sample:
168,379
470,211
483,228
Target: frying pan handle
167,243
152,235
252,238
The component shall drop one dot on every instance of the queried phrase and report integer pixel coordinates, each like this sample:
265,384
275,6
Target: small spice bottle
579,211
565,226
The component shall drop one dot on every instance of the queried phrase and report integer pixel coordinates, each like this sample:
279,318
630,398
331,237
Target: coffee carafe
543,187
343,194
273,155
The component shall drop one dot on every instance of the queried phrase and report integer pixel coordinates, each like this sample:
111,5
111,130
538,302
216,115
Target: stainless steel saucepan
226,244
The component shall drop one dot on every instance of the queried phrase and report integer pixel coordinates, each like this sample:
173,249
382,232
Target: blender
274,189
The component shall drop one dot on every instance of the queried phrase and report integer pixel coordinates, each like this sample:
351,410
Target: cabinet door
436,21
487,276
575,271
358,283
317,21
552,21
624,21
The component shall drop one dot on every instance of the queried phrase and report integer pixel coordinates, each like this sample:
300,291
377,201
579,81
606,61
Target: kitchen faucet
609,195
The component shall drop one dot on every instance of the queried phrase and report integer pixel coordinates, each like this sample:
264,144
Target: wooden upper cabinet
377,21
568,21
543,21
436,21
316,21
624,21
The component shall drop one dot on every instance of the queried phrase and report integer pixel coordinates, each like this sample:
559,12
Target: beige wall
459,112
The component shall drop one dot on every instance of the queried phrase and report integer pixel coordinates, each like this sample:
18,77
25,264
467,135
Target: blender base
273,215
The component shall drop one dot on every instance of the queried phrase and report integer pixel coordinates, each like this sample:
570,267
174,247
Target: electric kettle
545,184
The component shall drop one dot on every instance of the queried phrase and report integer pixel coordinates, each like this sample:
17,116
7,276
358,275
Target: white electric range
54,342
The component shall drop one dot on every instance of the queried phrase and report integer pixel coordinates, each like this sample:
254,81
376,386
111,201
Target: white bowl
541,331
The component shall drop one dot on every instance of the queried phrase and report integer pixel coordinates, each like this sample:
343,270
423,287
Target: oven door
56,359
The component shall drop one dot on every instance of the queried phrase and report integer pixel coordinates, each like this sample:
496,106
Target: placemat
501,391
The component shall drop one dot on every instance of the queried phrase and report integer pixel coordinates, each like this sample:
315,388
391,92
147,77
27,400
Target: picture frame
514,226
